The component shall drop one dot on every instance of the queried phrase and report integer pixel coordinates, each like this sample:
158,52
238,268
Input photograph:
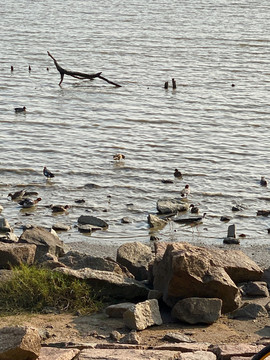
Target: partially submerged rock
169,206
4,225
92,220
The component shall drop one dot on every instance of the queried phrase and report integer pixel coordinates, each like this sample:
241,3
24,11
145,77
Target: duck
263,181
177,173
186,191
20,109
27,203
17,195
194,209
118,157
47,173
59,208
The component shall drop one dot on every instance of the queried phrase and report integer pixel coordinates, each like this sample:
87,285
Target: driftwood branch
78,75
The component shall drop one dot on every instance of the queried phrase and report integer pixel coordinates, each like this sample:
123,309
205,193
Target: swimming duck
59,208
177,173
47,173
194,209
18,109
186,191
263,181
17,195
27,203
118,157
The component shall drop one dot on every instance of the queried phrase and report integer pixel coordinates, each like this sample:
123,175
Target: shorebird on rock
28,203
47,173
17,195
186,191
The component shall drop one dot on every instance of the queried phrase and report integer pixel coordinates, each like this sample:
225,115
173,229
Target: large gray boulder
182,270
45,241
76,260
168,206
19,343
109,284
16,254
197,310
249,311
136,257
143,315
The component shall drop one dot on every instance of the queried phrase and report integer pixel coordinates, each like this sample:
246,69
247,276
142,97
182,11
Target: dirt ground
97,328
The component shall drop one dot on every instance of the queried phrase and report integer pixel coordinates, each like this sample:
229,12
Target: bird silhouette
47,173
28,203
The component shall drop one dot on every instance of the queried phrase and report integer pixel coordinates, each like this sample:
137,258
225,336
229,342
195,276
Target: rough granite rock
182,270
136,257
197,310
142,315
16,254
19,343
109,284
45,241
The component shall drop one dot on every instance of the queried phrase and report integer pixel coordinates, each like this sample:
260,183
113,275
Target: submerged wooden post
166,85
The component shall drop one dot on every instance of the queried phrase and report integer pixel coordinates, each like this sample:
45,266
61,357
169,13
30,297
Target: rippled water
216,134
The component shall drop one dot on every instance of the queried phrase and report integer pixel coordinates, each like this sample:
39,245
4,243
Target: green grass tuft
32,289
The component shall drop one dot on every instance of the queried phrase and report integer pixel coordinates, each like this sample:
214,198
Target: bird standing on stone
47,173
28,203
263,181
19,110
17,195
186,191
177,173
118,157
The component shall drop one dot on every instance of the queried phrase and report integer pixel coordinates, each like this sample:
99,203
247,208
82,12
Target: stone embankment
194,284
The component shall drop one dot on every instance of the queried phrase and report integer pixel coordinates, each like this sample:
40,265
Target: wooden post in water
173,84
166,85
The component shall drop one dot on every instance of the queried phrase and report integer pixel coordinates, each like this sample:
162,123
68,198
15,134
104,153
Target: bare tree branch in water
78,75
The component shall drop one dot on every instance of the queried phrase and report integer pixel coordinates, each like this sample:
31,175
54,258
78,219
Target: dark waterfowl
166,181
186,191
59,208
177,173
194,209
263,181
28,203
47,173
20,109
17,195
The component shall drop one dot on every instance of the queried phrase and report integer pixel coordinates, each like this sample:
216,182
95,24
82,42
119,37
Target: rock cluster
196,283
